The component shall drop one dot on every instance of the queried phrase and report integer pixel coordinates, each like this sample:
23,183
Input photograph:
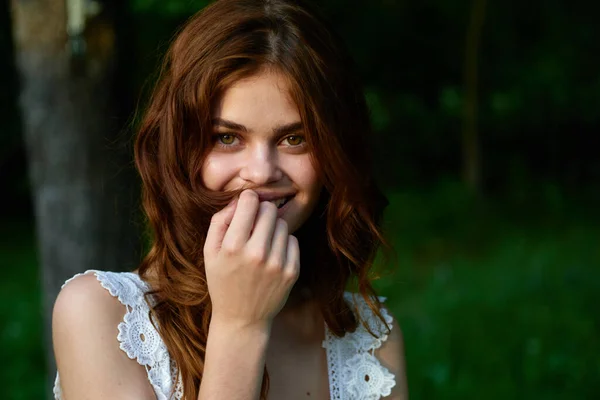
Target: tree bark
82,181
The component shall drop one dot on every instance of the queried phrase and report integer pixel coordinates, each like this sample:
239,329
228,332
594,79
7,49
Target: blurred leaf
506,104
380,116
451,101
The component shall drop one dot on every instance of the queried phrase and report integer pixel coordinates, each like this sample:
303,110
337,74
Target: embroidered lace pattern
354,371
137,336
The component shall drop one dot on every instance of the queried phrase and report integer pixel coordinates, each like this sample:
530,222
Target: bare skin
296,360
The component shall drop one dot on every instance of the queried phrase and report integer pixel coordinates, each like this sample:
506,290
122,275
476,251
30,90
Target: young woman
258,190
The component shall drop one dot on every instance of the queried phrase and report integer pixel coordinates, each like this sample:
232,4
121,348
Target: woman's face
259,141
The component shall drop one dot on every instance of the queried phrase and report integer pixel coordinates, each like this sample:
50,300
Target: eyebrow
280,130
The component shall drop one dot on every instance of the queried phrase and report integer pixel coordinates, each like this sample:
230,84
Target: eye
294,140
226,139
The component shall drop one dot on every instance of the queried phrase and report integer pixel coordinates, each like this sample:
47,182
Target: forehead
258,102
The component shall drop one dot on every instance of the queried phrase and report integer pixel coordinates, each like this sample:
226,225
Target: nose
261,166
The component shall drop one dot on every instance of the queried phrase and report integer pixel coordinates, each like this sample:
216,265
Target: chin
296,218
294,223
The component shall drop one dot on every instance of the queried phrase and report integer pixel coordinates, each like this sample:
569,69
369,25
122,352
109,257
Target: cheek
216,172
304,174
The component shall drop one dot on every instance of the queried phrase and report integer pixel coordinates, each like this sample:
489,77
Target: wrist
237,327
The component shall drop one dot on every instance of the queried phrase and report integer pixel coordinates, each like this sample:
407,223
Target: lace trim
354,371
57,391
137,336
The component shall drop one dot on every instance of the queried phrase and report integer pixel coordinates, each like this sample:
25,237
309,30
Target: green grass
22,375
497,298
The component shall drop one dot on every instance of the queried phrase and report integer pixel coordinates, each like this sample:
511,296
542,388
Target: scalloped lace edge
335,363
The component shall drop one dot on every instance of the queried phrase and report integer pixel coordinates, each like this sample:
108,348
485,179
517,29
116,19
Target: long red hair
227,41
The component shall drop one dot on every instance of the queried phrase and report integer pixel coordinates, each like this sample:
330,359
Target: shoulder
391,356
85,324
98,297
84,305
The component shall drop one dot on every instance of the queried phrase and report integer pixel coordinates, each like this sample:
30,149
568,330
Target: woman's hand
251,262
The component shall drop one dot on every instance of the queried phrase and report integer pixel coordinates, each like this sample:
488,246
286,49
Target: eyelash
219,136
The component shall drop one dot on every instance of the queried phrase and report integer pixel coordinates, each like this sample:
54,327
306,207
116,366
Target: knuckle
274,264
230,248
291,274
257,256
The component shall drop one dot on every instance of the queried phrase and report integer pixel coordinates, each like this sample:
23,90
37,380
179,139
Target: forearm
234,362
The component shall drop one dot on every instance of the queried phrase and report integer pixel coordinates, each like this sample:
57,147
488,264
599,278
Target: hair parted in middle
227,41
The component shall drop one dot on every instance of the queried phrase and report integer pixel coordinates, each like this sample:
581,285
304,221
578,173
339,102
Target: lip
270,196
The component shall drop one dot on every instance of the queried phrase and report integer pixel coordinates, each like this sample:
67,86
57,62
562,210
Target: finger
292,265
279,244
264,226
219,224
243,219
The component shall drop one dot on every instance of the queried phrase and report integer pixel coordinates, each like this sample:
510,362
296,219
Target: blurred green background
497,280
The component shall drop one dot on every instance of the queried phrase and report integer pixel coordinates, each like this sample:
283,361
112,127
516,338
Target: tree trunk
82,181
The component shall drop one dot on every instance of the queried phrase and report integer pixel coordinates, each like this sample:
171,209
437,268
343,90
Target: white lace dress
354,371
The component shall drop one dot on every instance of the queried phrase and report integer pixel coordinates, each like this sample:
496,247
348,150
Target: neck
300,317
299,296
